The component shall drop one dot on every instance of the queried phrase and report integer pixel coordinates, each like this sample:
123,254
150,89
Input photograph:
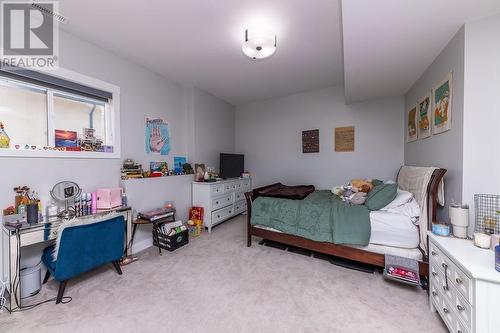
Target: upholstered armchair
81,248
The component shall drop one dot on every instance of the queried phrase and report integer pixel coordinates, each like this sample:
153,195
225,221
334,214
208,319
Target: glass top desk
30,234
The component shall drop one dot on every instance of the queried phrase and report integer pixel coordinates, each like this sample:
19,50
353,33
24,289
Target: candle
482,240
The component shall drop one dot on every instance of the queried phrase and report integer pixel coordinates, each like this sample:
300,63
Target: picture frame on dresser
221,200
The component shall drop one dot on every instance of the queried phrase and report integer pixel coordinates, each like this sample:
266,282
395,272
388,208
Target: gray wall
213,129
269,133
443,150
481,173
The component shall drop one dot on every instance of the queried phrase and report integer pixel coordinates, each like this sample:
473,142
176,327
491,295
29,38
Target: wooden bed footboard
337,250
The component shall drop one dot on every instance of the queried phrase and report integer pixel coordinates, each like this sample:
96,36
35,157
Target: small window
50,116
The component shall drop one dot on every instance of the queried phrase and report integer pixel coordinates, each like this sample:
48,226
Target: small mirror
64,192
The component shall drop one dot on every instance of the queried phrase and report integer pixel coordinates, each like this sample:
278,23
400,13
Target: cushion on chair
48,259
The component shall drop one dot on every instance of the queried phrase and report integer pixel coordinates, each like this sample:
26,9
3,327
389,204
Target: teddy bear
362,185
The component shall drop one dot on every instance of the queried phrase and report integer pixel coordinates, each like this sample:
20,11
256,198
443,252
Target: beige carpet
217,284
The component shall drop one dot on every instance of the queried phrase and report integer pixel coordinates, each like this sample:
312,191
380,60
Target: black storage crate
169,243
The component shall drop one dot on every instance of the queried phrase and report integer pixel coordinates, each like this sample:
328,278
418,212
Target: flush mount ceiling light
259,43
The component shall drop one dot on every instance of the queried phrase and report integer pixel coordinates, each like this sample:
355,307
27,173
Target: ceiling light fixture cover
259,44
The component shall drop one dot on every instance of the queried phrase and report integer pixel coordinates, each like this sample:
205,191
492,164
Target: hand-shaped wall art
157,136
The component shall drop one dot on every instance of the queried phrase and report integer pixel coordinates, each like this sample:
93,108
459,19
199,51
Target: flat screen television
231,165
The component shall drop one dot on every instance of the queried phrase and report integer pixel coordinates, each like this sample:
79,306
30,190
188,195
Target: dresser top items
479,262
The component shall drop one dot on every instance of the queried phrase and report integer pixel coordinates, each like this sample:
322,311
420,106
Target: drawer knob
434,293
459,331
459,280
445,288
446,310
460,308
218,216
433,253
216,202
434,274
444,265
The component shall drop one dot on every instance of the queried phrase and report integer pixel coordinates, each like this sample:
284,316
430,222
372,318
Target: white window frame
112,111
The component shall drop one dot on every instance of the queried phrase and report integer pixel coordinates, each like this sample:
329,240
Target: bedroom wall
213,127
446,149
481,164
269,133
143,92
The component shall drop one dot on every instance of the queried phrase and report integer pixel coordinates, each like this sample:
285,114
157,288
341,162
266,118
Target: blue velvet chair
83,248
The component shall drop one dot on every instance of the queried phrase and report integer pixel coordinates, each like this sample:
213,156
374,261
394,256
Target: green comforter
321,216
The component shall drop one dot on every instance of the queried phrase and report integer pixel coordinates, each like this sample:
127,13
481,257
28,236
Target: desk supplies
459,216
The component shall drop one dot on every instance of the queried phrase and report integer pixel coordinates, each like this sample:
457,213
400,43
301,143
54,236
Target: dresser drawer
447,313
222,201
245,183
228,187
463,282
216,189
239,196
464,310
240,206
460,327
222,214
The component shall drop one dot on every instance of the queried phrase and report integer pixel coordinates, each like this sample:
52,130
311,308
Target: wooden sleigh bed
344,251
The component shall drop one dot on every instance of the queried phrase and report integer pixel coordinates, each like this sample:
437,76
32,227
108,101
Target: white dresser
464,285
221,200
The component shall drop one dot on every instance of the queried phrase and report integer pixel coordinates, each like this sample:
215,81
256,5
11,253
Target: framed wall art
411,129
424,117
441,99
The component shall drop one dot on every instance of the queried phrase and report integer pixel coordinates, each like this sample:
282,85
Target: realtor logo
29,34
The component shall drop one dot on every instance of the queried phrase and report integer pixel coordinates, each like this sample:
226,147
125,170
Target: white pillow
402,197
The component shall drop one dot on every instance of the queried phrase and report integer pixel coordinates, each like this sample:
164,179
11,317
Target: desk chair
83,248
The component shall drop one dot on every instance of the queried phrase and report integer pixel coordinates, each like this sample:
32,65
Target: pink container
108,198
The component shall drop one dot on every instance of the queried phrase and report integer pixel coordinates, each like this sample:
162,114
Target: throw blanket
321,216
279,190
416,180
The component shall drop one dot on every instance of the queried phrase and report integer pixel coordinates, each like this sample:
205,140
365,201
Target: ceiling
198,42
390,43
377,49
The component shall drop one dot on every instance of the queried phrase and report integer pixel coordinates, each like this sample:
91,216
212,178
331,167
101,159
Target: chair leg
60,293
117,267
46,278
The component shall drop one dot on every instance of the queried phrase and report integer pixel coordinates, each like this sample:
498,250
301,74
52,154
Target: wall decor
424,117
441,99
344,139
179,161
411,130
65,138
157,136
310,141
158,167
199,170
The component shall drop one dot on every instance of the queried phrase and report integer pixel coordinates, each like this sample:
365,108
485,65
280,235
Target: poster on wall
179,161
441,98
411,131
310,141
344,139
424,117
157,136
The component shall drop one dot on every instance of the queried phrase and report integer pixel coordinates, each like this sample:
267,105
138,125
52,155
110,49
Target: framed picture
411,130
199,170
441,99
179,161
65,138
344,139
310,141
424,117
158,167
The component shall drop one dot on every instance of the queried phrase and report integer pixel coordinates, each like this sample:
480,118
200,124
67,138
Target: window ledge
57,154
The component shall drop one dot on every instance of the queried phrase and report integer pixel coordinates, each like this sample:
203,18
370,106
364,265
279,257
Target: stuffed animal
362,185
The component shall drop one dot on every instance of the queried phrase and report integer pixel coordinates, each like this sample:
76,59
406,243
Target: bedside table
464,285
